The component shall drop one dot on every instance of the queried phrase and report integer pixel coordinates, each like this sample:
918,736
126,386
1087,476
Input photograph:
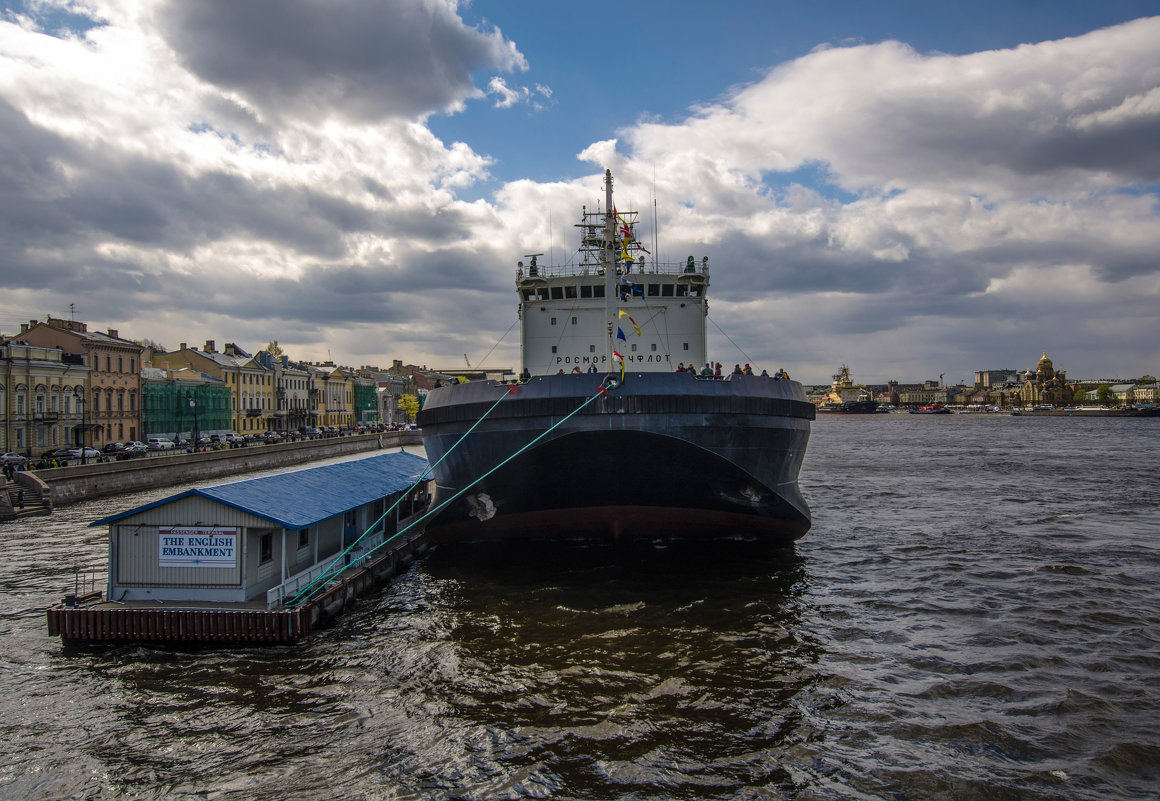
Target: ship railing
582,269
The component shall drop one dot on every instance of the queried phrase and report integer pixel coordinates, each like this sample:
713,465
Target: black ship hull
851,407
668,456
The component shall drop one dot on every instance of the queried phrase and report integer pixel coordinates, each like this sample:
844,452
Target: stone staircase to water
34,504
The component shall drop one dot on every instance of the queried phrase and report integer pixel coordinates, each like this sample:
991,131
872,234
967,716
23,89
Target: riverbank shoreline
68,485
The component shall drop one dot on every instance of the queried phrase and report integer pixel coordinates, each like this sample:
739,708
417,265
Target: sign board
197,547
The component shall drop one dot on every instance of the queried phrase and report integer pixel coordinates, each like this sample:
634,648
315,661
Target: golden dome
1044,363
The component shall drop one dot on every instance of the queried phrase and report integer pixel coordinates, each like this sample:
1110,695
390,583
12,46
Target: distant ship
936,408
846,397
602,438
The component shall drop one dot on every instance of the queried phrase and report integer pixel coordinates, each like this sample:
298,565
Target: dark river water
974,615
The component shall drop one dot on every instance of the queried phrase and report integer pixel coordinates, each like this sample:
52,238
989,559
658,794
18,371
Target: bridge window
666,290
569,291
598,291
654,290
682,290
586,291
557,293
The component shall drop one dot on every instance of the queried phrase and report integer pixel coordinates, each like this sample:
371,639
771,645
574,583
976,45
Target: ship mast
608,260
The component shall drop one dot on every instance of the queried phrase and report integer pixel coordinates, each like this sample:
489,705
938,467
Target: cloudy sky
905,189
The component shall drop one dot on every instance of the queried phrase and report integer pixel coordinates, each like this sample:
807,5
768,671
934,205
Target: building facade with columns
111,405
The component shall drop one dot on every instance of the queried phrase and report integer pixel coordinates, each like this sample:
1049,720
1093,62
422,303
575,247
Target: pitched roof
303,498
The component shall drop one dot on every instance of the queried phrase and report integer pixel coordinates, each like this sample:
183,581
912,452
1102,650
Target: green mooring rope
430,512
331,570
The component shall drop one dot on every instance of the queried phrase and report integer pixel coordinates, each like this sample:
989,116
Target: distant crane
467,360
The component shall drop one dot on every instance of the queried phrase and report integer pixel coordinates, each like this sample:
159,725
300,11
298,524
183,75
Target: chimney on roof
24,327
209,346
182,346
113,333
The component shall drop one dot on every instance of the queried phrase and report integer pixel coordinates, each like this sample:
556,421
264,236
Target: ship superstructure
570,314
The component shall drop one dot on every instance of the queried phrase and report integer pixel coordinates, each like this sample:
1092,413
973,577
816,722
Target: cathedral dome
1044,363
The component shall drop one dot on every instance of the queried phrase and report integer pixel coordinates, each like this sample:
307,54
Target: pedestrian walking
19,499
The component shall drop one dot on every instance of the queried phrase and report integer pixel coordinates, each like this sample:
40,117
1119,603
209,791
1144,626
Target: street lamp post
193,407
79,394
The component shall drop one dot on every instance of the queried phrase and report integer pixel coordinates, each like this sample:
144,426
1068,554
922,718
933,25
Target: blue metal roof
303,498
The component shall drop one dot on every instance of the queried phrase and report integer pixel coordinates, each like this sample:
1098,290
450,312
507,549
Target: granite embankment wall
81,482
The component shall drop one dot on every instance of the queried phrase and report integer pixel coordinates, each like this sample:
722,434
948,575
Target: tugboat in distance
846,397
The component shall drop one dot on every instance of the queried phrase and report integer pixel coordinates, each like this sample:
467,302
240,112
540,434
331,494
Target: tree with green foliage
1105,395
274,349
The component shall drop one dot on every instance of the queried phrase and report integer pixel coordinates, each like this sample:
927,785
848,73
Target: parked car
56,453
205,442
159,444
113,448
271,437
132,450
13,459
87,454
235,440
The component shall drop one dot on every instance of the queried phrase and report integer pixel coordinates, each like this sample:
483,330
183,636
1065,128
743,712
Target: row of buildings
1041,385
61,384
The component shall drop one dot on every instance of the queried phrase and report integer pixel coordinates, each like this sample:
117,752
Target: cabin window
266,552
553,321
686,346
553,349
569,291
573,321
591,348
598,291
654,290
585,291
557,293
667,290
634,348
654,346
